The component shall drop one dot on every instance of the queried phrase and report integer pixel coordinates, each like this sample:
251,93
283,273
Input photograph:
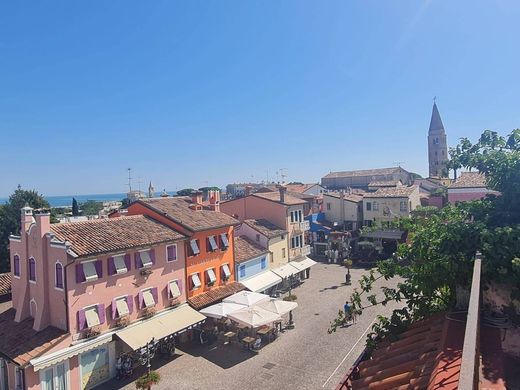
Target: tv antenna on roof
129,180
283,174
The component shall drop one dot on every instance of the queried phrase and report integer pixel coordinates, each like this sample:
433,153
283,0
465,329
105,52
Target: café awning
160,326
286,270
303,264
262,281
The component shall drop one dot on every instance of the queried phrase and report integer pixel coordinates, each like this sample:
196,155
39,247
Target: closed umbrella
247,298
254,316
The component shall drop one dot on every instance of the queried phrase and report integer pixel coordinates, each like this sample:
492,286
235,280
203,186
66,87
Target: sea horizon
66,200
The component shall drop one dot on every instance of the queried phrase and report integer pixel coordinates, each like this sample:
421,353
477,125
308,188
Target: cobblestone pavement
306,357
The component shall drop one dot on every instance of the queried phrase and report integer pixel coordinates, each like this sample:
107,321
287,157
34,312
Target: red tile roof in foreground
215,295
20,342
425,356
113,234
5,283
246,249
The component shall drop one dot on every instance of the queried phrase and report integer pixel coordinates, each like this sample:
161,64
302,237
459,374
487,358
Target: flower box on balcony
123,321
149,311
175,301
146,271
92,332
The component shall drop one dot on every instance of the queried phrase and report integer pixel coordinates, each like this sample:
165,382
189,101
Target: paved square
306,357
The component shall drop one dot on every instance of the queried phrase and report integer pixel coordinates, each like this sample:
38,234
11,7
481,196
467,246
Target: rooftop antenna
129,180
139,183
283,174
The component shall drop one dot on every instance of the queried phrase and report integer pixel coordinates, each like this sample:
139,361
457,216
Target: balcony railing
303,251
304,226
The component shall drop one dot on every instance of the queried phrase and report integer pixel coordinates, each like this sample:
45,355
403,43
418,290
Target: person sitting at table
258,343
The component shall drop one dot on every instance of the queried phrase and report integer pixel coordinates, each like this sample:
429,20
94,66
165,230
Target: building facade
343,209
469,186
388,204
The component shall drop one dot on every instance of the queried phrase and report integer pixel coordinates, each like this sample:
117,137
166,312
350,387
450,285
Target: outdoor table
228,336
264,333
248,341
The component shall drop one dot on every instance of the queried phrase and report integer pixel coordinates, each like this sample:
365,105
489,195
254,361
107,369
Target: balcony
299,252
304,226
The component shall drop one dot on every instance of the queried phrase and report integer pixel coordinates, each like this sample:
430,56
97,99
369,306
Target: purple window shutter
152,255
130,303
114,309
80,275
111,266
59,275
99,268
82,321
16,262
128,262
169,253
141,303
138,262
155,296
101,313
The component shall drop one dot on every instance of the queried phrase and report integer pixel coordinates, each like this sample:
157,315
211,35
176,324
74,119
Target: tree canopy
438,257
10,218
185,192
75,207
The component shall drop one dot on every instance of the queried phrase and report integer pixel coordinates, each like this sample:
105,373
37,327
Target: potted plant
146,271
149,311
123,321
146,381
174,301
92,332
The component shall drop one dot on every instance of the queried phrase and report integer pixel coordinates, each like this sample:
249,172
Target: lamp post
147,353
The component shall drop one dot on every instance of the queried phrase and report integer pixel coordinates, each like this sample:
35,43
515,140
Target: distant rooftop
385,183
99,236
469,180
275,197
392,192
5,283
246,249
263,226
349,197
365,172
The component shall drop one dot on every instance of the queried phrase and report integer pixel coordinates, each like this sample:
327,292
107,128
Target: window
226,272
242,271
90,272
212,243
55,378
367,223
174,289
171,252
120,265
369,206
292,216
32,269
210,277
375,206
403,205
283,253
195,282
263,263
258,238
122,308
16,266
300,217
18,378
148,298
328,206
293,243
144,259
193,249
224,242
92,316
58,275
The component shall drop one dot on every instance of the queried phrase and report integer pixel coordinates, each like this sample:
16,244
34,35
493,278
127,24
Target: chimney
26,218
249,189
214,200
282,190
43,221
196,197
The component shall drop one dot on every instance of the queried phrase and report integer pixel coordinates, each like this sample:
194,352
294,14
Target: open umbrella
221,309
247,298
254,316
277,306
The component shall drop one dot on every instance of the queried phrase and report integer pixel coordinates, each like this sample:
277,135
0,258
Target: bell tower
437,146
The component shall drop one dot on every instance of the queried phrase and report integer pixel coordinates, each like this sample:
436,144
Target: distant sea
66,200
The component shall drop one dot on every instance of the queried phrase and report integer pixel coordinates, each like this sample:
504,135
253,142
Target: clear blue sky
194,92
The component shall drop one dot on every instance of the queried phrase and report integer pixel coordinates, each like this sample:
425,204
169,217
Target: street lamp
147,353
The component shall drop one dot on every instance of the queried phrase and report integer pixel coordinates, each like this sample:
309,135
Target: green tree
91,207
75,207
185,192
10,219
442,244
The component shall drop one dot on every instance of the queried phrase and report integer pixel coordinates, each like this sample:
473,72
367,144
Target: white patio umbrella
221,309
247,298
277,306
254,316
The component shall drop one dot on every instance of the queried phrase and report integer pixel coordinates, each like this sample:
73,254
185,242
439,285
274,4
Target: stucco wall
278,247
252,267
466,194
334,214
392,204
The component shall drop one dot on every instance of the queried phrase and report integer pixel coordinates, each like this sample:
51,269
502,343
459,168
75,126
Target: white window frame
145,291
62,276
228,273
54,375
29,271
122,257
176,253
19,266
170,295
122,298
148,263
405,208
211,280
95,307
195,250
90,262
211,247
375,206
193,285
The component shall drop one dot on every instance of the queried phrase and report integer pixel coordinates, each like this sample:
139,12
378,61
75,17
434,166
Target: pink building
84,292
469,186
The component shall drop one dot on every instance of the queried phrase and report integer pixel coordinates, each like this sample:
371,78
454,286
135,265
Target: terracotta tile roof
246,249
263,226
300,187
112,234
5,283
385,183
215,295
469,180
365,172
350,197
178,210
392,192
20,343
275,197
426,355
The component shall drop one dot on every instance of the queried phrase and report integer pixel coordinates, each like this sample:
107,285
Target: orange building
209,251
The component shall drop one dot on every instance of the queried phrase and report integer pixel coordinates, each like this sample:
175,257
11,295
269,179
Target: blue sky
195,92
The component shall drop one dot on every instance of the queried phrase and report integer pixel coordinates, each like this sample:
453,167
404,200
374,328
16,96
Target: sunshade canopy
262,281
286,270
221,309
247,298
254,317
277,306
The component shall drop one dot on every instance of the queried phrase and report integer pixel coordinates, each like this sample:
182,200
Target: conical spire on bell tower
437,145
